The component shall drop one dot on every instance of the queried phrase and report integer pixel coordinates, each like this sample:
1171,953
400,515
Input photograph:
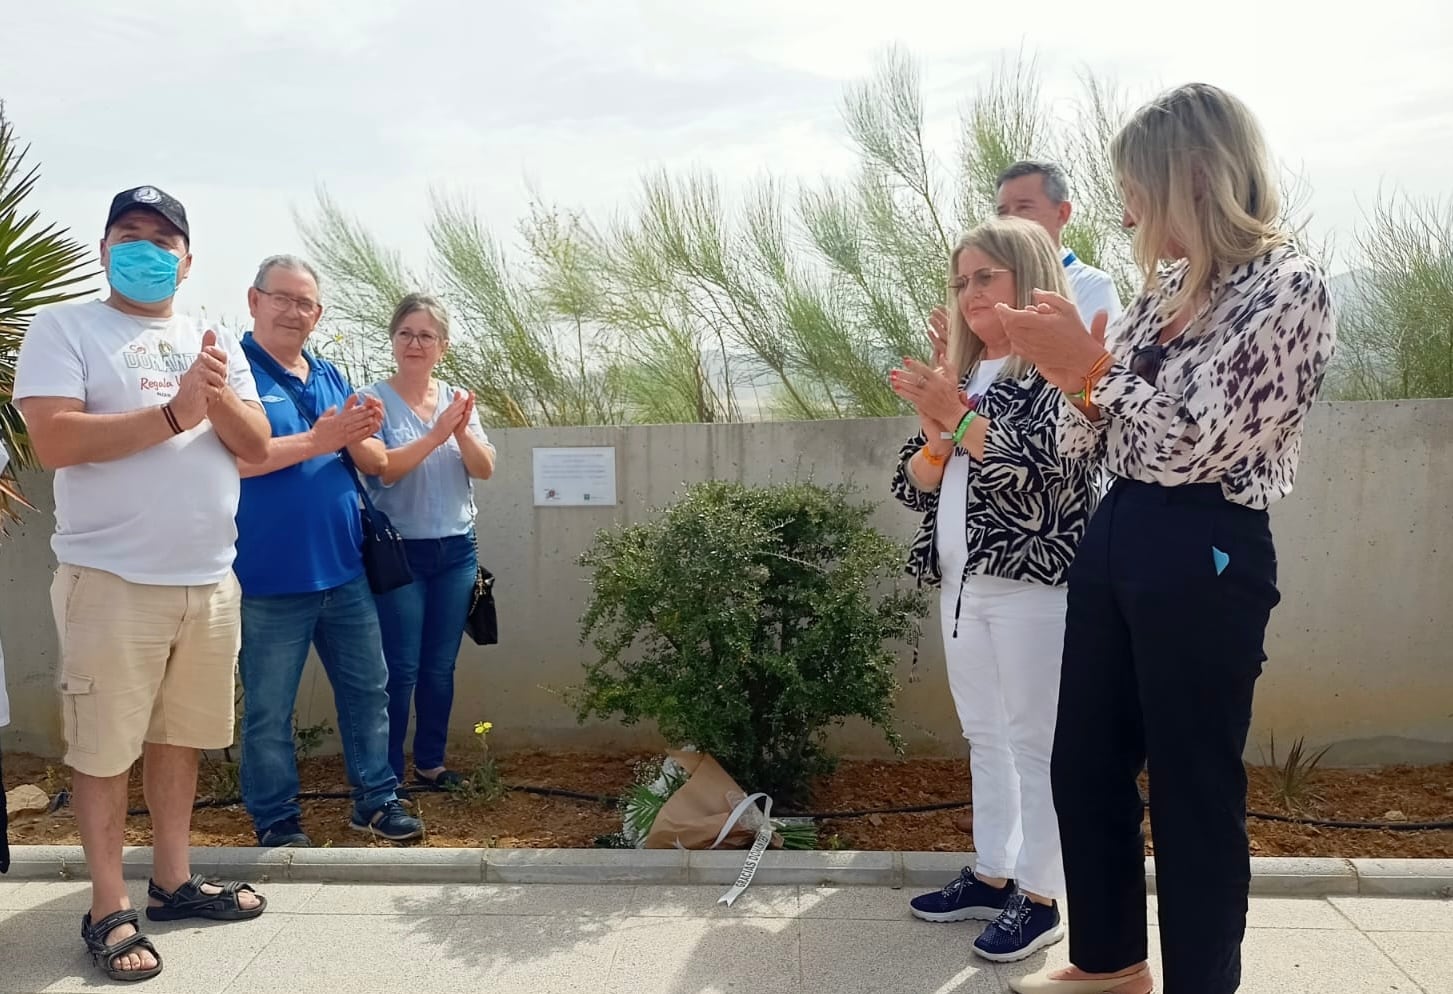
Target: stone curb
1270,877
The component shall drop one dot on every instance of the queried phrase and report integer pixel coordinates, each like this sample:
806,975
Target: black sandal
191,901
448,780
105,956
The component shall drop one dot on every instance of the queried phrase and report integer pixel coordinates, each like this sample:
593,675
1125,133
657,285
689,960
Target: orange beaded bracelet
1093,377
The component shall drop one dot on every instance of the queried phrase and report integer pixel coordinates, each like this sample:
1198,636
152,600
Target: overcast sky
242,108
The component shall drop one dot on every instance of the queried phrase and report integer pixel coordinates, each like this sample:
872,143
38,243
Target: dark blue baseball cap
154,199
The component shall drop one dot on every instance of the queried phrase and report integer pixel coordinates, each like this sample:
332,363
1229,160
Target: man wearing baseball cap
143,416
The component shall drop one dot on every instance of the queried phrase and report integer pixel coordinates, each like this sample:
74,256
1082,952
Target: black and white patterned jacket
1027,506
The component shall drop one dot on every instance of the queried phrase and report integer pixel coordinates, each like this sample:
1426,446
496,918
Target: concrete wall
1360,647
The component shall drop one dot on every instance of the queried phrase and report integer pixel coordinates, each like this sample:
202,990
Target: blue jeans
422,625
276,632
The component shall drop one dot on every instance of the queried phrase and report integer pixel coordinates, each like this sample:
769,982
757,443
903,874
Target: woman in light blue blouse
436,449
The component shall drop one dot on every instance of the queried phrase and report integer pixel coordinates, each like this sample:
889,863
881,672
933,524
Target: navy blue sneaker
390,822
966,898
1023,929
284,834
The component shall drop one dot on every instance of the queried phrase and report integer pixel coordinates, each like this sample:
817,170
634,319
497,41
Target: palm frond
40,265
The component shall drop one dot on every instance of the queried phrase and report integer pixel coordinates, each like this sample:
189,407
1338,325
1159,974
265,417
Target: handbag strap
258,356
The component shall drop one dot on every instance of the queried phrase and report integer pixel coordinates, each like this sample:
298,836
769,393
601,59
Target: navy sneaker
1023,929
285,833
966,898
390,822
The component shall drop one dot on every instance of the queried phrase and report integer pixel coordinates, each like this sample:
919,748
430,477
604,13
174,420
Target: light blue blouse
436,500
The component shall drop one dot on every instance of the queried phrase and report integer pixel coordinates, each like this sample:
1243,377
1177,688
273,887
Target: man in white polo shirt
142,414
1039,191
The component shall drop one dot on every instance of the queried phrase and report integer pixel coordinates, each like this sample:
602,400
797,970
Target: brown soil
519,820
1421,794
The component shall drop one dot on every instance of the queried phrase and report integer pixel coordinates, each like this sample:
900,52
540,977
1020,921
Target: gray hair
289,262
1056,183
414,303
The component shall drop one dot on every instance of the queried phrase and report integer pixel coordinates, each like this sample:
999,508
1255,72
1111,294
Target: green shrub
747,622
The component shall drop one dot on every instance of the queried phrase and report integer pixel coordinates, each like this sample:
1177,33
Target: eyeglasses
423,340
979,280
1145,362
284,302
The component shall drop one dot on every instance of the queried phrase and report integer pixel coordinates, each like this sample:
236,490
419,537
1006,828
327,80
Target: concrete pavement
671,939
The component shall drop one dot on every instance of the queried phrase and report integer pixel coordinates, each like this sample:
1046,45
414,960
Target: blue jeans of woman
422,625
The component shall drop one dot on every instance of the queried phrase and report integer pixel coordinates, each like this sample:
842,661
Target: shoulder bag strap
257,354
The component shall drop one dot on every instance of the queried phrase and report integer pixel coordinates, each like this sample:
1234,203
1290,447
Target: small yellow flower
483,727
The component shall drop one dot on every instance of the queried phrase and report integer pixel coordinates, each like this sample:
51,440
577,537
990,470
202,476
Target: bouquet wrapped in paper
695,804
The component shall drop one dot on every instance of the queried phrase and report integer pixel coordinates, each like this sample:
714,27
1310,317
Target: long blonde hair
1025,249
1197,167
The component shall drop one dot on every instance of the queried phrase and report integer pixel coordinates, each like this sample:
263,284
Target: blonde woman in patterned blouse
1196,401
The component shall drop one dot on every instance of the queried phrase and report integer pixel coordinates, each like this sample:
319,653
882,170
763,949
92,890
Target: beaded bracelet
1093,377
964,427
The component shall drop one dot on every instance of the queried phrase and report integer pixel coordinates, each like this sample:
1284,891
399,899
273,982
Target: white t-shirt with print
953,493
164,515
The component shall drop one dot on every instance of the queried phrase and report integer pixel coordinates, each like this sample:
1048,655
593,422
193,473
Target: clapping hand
463,428
337,429
201,384
938,336
932,392
1051,335
375,406
453,418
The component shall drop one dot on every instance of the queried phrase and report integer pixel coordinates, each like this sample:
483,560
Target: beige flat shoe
1137,982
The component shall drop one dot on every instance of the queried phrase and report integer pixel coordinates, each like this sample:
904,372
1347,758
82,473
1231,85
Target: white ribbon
738,813
759,844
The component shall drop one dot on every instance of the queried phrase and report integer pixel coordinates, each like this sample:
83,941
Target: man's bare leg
100,806
169,777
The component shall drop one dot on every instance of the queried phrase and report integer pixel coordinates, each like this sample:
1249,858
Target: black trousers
1169,598
4,826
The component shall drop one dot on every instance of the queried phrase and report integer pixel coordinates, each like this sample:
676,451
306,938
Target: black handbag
482,623
384,559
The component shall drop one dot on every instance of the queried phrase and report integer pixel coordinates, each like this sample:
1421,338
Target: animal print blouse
1233,390
1028,505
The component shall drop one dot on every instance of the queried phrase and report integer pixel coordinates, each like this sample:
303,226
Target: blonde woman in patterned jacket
1002,515
1197,407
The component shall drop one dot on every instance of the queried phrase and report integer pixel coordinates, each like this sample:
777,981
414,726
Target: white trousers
1003,671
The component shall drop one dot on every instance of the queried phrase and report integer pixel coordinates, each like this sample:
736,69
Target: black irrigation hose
1381,826
63,798
1387,826
916,809
572,795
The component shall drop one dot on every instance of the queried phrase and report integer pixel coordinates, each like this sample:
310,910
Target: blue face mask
142,271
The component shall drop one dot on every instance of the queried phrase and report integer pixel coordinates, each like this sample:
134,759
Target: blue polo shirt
299,529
